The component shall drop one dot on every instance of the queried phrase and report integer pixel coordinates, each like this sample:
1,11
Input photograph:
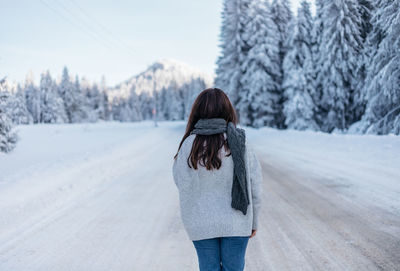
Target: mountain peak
169,62
163,73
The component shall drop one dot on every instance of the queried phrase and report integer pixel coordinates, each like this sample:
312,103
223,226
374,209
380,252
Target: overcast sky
113,38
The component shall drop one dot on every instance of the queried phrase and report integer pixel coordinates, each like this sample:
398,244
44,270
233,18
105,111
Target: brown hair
210,103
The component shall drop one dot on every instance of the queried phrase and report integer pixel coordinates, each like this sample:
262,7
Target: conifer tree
104,113
133,102
234,47
316,91
8,137
17,108
283,18
33,98
339,57
359,96
190,92
52,106
73,98
382,114
259,97
298,68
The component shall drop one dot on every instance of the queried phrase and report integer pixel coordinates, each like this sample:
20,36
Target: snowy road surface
101,197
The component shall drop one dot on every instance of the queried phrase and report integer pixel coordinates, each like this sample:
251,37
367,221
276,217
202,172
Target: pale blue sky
116,38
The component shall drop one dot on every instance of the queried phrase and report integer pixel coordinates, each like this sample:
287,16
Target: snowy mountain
161,74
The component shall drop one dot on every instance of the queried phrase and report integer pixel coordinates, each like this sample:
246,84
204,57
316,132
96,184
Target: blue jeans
222,253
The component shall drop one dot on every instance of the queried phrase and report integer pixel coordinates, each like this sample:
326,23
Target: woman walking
219,181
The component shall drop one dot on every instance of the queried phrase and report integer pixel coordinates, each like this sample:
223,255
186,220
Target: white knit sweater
205,195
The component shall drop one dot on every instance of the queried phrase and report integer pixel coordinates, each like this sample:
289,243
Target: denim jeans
222,253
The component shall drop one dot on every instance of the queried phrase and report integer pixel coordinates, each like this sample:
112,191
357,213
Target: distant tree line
68,101
336,71
77,100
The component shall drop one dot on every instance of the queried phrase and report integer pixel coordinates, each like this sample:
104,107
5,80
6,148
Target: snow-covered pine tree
228,58
190,92
382,114
78,106
115,110
17,109
96,104
121,110
65,91
162,104
366,10
371,49
259,97
234,47
156,99
283,18
316,91
52,106
359,97
73,98
91,99
133,102
372,44
170,102
8,137
146,105
33,98
100,100
298,69
104,113
340,49
174,110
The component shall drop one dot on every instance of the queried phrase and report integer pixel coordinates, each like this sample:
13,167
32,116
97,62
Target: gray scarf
236,141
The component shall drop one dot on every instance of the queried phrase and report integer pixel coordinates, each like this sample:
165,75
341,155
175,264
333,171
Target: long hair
210,103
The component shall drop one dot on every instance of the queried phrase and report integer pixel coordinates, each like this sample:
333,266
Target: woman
219,181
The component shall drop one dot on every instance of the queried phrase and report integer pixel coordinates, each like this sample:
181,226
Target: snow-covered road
101,197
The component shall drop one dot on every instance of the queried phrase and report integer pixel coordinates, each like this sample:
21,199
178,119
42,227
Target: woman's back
205,195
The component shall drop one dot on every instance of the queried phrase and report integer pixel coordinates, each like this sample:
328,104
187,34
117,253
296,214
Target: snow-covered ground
101,197
366,168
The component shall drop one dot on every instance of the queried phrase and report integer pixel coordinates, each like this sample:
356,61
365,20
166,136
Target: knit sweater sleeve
180,170
256,184
174,171
176,174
